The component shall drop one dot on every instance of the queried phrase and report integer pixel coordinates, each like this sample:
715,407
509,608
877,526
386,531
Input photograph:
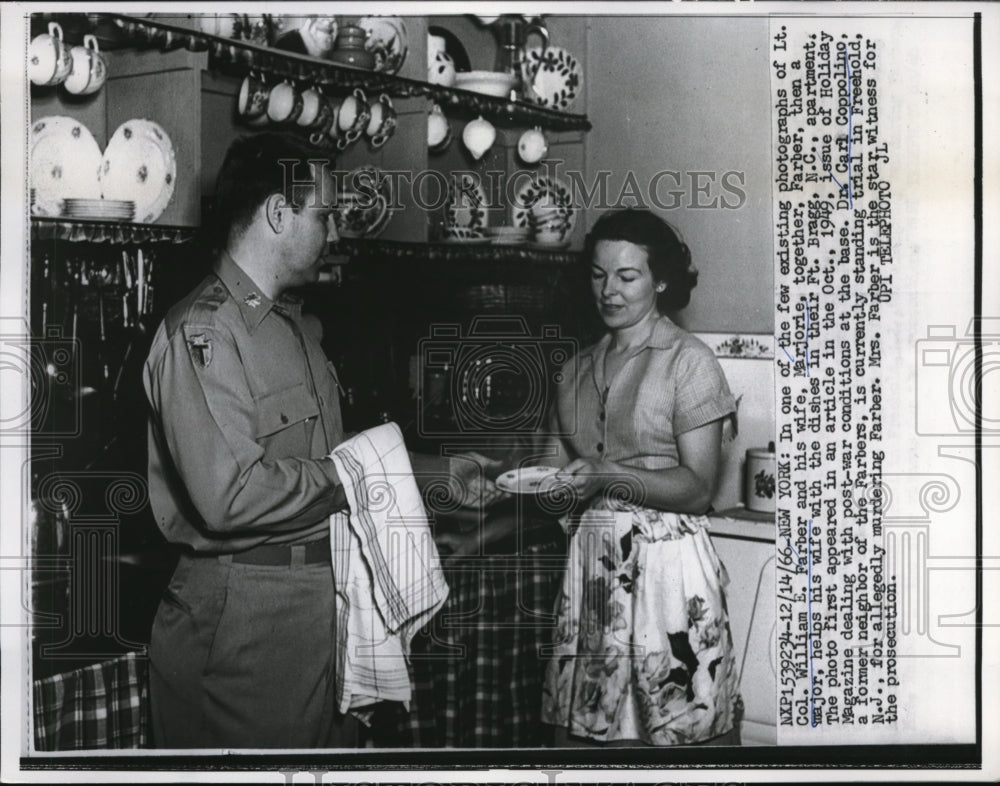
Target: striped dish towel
386,567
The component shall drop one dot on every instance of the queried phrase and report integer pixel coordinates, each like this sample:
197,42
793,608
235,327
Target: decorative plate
363,203
466,203
139,165
526,480
386,40
542,197
65,159
556,76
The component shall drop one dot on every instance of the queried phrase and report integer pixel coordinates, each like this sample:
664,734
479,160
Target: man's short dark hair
256,167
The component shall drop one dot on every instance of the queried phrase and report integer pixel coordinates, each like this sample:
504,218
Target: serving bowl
491,83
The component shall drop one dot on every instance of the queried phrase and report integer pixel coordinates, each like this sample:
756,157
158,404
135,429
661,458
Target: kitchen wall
690,95
687,95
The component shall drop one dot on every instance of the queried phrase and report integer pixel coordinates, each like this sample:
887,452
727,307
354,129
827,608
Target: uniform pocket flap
279,410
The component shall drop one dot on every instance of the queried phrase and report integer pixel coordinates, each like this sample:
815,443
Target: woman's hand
586,476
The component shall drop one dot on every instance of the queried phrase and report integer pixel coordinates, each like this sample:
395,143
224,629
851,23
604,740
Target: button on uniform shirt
671,385
244,411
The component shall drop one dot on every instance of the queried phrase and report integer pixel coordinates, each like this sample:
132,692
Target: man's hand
468,481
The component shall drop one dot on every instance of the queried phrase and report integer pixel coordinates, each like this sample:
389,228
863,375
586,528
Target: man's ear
272,208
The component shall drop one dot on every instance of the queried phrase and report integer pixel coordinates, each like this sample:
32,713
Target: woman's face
622,283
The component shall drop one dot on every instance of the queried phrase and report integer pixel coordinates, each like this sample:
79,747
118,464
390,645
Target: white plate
544,194
90,210
65,159
466,204
525,480
468,241
139,165
555,75
386,40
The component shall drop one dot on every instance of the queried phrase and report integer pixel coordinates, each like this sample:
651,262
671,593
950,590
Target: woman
642,651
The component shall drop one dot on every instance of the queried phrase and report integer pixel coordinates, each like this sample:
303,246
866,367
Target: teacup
438,129
478,135
89,71
49,59
284,103
382,122
353,117
253,97
312,105
324,130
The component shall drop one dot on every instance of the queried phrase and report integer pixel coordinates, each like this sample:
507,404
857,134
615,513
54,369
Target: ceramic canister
760,490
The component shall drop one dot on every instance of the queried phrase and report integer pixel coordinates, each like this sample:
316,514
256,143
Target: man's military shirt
244,411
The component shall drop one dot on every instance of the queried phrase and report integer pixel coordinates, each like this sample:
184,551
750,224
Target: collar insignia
252,300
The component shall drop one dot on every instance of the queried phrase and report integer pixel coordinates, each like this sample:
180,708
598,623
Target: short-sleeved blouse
671,385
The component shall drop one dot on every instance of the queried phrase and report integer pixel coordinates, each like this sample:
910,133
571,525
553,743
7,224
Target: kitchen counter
739,522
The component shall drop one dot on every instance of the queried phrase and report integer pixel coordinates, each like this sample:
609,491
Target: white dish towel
386,567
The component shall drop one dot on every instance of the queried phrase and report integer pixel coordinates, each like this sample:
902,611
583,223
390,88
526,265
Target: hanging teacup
532,147
354,116
479,135
382,122
438,130
49,58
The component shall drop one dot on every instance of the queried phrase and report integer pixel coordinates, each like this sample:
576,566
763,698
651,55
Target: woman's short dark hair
255,167
668,257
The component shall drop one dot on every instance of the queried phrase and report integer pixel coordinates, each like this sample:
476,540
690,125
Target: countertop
739,522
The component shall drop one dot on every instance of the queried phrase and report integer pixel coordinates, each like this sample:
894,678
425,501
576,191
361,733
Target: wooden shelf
114,232
241,56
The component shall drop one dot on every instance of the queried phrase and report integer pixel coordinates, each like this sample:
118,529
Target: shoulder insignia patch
200,346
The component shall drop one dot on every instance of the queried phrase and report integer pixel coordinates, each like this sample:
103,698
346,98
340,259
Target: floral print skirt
642,647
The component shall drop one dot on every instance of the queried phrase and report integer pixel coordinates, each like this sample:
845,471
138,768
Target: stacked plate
103,209
464,235
508,236
65,159
139,166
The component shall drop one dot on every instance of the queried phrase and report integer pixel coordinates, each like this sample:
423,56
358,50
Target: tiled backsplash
748,363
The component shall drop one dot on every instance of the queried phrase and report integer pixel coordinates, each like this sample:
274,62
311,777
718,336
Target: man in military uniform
244,412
